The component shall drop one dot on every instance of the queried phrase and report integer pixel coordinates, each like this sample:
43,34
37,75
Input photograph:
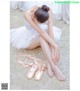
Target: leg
49,70
35,44
46,49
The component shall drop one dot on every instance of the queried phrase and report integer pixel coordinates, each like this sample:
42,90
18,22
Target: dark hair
41,14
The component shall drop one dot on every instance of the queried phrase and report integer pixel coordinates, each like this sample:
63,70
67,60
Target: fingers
55,56
58,55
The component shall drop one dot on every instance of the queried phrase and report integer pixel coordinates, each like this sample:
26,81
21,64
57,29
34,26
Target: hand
53,56
57,54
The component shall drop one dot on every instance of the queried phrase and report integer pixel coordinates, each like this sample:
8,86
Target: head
41,14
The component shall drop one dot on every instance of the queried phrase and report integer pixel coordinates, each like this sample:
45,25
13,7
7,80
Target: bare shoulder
31,10
27,13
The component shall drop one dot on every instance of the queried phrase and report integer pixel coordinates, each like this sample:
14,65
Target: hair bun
45,8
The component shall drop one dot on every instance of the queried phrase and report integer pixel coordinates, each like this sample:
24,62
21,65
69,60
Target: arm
50,25
42,33
50,32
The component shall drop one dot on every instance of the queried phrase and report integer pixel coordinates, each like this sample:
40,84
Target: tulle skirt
23,36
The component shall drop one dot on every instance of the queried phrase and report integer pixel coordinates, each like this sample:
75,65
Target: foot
59,74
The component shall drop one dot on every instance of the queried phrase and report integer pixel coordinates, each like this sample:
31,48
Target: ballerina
35,33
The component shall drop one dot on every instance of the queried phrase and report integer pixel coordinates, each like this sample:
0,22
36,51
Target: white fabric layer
22,37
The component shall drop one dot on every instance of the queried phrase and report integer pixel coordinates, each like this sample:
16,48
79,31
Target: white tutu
22,37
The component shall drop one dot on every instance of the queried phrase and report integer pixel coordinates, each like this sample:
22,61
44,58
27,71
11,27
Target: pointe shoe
32,71
39,73
34,67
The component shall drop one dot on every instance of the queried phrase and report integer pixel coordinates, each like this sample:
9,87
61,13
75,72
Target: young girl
35,34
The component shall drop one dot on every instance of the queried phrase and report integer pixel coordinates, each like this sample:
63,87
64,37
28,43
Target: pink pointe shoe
39,73
32,71
36,68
